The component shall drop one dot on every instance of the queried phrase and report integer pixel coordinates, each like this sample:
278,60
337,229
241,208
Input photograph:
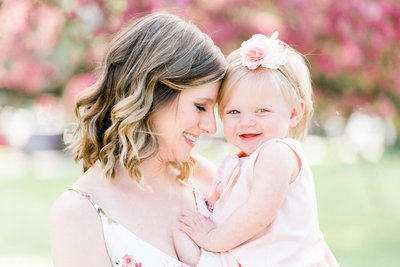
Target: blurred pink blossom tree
52,46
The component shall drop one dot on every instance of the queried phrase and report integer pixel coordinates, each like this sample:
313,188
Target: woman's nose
208,124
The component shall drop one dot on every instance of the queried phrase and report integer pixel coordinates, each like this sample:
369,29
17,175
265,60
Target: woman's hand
199,228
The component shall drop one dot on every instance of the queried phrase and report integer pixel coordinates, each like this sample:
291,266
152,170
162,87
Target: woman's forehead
206,92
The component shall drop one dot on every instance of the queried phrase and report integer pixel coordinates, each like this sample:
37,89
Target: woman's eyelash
233,112
200,107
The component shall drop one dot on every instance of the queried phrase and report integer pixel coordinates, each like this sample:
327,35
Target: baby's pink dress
294,237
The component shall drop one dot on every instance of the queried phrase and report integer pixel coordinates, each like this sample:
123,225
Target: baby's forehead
257,78
247,93
254,94
254,85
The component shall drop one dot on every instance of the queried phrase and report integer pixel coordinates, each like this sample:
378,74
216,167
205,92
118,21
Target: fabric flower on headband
264,51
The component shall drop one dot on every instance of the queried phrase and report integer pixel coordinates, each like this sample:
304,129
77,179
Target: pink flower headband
264,51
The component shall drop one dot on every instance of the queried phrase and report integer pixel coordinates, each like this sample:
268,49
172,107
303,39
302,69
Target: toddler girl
263,199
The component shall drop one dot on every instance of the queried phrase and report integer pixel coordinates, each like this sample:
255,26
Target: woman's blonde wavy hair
146,66
293,78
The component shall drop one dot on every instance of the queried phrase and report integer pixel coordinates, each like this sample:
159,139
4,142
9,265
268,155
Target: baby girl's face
255,114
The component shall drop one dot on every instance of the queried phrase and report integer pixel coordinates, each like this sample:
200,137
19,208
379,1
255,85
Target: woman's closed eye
201,107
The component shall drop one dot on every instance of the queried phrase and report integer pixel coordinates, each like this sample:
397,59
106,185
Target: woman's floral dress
125,249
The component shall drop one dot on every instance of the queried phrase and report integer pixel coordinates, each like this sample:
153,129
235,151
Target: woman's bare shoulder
76,233
70,206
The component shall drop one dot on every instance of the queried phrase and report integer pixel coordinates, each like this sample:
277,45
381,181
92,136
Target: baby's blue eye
262,110
233,112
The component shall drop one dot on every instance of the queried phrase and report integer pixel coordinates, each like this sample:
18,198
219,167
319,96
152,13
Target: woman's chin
183,158
176,157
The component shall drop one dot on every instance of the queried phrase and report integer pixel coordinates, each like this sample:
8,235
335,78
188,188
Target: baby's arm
274,168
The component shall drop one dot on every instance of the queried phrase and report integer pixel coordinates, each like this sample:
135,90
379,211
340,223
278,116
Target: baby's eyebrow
230,107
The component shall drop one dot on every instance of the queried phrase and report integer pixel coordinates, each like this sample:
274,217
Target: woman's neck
156,173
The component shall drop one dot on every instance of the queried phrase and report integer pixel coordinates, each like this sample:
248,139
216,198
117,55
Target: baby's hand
199,228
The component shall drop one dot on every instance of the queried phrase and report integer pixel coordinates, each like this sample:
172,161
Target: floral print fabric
125,248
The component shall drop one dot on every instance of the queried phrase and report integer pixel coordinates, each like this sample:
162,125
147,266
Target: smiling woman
155,95
194,114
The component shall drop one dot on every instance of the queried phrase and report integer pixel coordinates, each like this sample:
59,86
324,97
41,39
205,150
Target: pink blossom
25,75
386,107
326,63
351,55
371,11
85,2
128,261
46,100
255,55
18,15
46,32
77,84
261,50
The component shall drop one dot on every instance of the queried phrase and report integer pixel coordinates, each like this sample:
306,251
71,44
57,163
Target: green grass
24,207
359,210
358,207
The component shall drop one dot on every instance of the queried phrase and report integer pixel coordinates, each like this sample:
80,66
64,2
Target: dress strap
202,205
89,197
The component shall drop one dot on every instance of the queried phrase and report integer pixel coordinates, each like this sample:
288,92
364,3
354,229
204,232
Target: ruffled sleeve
226,177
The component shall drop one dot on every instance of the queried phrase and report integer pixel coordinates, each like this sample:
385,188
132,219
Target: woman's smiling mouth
190,139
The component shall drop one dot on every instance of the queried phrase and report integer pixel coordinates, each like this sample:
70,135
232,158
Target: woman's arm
275,166
187,251
76,233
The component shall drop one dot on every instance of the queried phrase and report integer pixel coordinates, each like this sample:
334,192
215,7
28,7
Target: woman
137,125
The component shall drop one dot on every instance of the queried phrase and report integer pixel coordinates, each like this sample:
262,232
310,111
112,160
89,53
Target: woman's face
179,123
